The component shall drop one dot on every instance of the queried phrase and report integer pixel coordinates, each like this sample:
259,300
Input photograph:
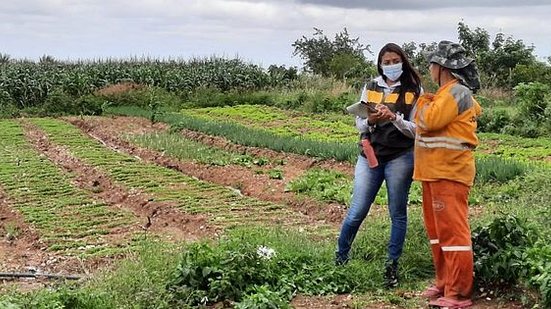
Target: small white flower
204,300
265,252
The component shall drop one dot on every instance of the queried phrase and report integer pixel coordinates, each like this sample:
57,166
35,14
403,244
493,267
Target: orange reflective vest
445,136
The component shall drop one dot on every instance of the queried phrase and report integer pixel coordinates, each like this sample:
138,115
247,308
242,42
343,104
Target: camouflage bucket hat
449,55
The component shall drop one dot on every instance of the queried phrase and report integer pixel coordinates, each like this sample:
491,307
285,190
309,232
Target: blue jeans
398,175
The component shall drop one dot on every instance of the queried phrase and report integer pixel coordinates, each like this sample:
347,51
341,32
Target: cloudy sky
260,31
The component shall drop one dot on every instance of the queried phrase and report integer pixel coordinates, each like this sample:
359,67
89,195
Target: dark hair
409,80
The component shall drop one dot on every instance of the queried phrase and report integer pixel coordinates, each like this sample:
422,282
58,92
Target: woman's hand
374,117
385,113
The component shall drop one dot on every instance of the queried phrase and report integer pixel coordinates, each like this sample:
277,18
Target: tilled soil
161,218
25,252
110,130
22,251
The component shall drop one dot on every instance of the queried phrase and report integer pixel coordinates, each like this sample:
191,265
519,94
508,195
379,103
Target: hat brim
454,64
358,109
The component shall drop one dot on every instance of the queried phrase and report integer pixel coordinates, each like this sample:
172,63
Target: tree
339,57
475,42
501,60
416,55
497,60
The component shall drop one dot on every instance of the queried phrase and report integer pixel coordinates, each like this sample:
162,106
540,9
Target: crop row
65,217
320,127
340,128
224,207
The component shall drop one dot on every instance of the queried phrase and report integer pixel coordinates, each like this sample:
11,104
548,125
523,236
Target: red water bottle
369,154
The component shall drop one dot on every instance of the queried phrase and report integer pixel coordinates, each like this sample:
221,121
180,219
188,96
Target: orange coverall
444,163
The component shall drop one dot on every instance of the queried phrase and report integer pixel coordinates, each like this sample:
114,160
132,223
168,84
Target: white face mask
393,71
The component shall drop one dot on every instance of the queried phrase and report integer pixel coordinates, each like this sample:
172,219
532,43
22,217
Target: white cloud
260,31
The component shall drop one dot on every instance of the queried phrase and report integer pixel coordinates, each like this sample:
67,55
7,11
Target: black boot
391,274
339,260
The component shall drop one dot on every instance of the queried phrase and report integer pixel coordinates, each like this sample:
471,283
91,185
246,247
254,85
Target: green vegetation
343,57
225,206
324,185
322,127
496,169
522,194
240,134
45,196
11,231
137,282
331,186
508,251
515,148
28,84
301,133
174,145
240,269
284,110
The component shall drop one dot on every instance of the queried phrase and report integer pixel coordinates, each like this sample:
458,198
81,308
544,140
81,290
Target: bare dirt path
346,301
109,130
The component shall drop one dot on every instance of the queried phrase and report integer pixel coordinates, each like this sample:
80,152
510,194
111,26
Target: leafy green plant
499,170
494,120
207,275
323,184
276,173
500,251
239,271
262,297
532,100
538,259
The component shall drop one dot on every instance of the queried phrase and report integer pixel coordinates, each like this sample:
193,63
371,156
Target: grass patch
176,146
243,135
224,206
45,196
333,186
499,170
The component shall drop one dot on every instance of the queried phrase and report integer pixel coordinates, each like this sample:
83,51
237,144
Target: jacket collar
381,83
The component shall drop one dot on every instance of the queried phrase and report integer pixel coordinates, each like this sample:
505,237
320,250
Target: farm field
80,194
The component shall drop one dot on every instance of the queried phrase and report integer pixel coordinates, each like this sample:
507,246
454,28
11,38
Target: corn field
26,84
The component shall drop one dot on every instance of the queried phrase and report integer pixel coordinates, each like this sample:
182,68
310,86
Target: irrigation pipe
10,275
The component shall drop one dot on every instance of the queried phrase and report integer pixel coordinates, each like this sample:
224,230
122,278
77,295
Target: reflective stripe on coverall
446,125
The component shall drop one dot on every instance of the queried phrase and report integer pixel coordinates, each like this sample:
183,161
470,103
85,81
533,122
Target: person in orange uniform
444,163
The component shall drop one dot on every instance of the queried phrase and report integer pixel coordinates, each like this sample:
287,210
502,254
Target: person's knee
399,214
400,220
353,220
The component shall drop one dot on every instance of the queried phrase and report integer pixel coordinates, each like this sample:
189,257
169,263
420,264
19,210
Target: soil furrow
260,186
161,218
